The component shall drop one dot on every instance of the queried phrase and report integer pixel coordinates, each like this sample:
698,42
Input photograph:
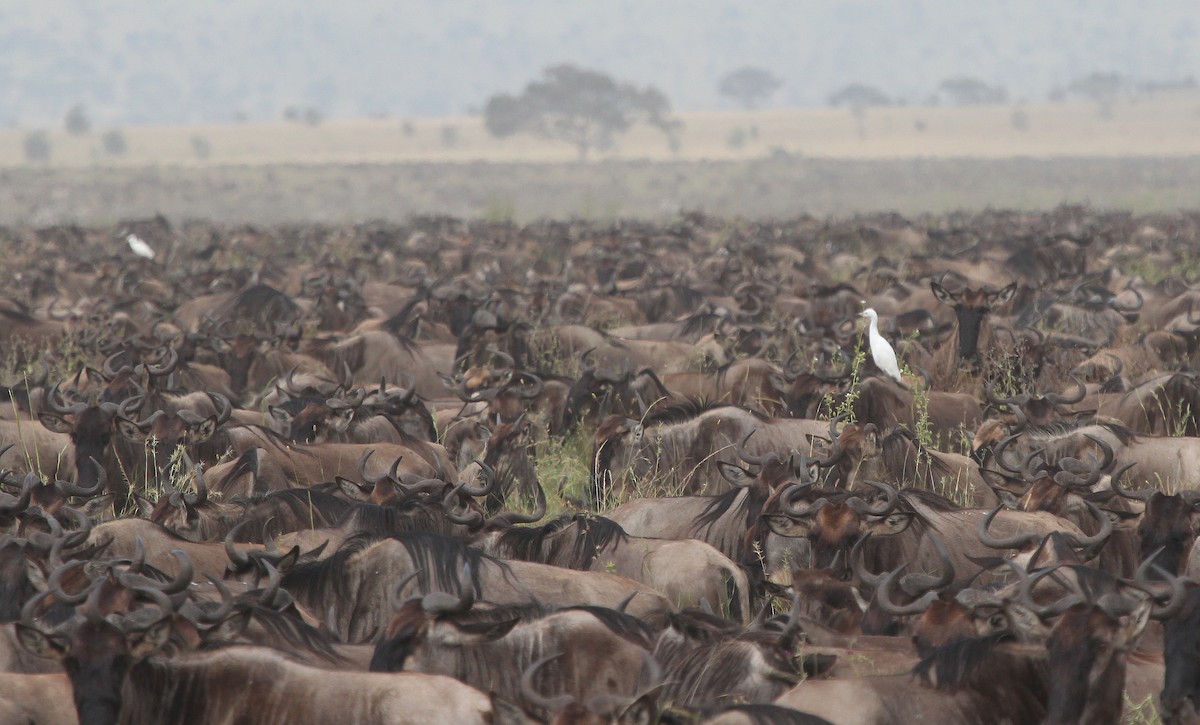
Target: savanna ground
1142,156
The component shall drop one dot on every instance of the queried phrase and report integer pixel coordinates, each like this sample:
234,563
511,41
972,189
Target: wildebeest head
90,427
97,651
1086,658
833,521
971,307
158,436
1169,523
1180,696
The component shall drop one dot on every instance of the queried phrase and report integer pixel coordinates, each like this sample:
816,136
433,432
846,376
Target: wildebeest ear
506,713
288,560
942,295
1004,295
1132,625
130,431
1123,520
231,627
55,422
205,430
353,489
144,505
787,526
143,643
38,643
474,632
816,665
893,523
1023,619
281,416
95,506
736,475
36,576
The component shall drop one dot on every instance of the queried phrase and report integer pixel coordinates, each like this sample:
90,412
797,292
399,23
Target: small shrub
113,142
77,122
449,136
37,147
201,147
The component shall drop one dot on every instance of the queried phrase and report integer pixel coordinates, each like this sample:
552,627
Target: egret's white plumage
881,350
139,247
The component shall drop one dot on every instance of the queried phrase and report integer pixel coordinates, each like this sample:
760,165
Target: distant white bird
139,247
881,350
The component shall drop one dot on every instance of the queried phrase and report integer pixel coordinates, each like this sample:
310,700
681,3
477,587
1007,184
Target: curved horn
221,612
1144,495
914,584
858,564
70,489
1080,393
1109,454
489,481
362,468
787,501
167,367
201,495
1092,544
240,560
394,596
438,602
1025,596
22,502
883,509
755,460
883,595
998,454
1128,308
509,518
472,519
55,400
223,406
538,386
1176,595
1017,541
549,704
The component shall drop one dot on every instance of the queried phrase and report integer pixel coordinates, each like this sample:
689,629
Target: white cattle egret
139,247
881,350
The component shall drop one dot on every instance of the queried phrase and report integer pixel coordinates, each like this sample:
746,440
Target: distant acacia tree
76,121
582,107
967,91
201,147
37,146
113,142
1100,88
749,86
858,97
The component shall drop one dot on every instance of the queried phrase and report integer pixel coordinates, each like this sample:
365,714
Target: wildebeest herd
583,472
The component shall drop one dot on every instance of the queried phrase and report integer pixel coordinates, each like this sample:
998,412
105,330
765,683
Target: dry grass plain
1142,156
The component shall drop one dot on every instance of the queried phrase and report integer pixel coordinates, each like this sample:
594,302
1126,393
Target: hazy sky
149,61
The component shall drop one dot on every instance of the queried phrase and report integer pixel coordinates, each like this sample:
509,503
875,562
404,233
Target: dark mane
284,627
401,319
927,498
439,559
326,574
383,521
951,666
681,411
550,544
625,626
261,303
526,543
1058,429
